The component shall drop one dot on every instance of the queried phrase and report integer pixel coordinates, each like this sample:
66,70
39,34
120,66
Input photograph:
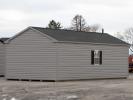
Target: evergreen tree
54,25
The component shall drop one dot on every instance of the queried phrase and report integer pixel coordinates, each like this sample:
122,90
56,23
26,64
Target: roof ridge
67,30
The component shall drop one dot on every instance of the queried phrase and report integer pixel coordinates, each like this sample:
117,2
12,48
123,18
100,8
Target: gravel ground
113,89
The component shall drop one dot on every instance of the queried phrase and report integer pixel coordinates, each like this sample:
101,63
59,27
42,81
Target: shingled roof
74,36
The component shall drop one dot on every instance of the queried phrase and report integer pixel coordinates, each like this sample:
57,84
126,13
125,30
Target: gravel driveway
112,89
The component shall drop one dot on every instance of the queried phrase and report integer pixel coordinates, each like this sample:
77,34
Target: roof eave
74,42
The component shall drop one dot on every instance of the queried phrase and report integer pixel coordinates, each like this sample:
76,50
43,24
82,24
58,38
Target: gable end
23,31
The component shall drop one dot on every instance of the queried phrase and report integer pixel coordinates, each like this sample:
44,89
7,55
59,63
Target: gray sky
113,15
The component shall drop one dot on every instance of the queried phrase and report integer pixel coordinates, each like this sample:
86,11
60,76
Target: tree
54,25
93,28
127,36
119,36
78,23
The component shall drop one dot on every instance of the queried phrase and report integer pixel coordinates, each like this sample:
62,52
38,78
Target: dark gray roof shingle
74,36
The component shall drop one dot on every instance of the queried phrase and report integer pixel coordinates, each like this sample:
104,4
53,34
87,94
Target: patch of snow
72,97
13,98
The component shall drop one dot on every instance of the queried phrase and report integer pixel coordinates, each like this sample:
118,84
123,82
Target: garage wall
31,55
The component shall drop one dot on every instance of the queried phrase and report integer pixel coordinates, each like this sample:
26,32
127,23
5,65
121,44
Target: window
96,57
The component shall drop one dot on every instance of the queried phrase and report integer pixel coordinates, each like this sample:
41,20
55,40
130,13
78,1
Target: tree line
78,23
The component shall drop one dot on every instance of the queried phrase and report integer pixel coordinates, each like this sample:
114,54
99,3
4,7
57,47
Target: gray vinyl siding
2,59
74,62
31,56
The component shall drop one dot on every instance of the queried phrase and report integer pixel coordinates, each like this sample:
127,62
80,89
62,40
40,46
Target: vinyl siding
31,56
74,62
2,59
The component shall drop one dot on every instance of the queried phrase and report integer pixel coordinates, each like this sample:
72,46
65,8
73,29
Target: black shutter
100,57
92,57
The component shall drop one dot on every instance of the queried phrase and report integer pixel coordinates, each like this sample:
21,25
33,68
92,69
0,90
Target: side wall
31,56
2,59
74,62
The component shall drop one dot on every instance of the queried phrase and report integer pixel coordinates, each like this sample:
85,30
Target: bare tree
127,36
78,23
93,28
120,36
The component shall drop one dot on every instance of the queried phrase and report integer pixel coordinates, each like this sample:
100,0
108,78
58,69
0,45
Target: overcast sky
113,15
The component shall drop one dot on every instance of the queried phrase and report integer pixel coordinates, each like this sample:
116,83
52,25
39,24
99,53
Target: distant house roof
74,36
